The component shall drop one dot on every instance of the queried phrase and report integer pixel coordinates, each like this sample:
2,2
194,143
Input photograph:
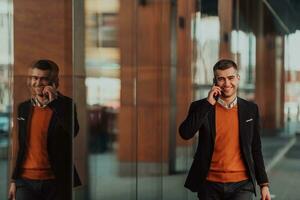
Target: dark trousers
242,190
36,189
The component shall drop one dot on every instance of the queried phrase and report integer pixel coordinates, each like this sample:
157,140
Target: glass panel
243,47
292,85
151,129
111,163
6,37
131,87
206,44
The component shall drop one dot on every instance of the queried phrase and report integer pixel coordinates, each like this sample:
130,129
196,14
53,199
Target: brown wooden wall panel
149,34
128,75
225,10
184,90
152,133
43,29
152,85
127,33
269,92
145,67
127,136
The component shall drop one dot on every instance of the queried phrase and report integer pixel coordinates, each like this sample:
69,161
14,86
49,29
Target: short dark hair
45,64
224,64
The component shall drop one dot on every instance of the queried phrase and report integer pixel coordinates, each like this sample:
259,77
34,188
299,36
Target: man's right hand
215,91
12,191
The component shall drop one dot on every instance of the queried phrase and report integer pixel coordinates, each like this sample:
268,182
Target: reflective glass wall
292,68
133,67
6,59
209,23
102,65
45,33
127,78
145,61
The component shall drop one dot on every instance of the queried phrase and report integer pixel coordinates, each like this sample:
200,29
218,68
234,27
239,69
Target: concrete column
269,83
269,92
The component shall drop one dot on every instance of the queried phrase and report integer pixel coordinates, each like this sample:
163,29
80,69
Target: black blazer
201,117
63,127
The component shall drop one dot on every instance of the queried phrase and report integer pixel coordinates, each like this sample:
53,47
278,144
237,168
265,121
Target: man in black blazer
228,161
47,123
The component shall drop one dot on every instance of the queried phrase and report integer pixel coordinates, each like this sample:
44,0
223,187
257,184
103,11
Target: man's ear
215,81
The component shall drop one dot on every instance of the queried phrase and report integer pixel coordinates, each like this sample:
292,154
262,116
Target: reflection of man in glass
228,161
46,126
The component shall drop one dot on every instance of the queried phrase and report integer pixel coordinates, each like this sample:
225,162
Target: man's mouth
226,89
38,88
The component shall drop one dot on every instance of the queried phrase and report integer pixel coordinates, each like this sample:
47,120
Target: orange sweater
227,164
36,165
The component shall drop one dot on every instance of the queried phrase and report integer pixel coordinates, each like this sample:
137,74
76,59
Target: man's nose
227,82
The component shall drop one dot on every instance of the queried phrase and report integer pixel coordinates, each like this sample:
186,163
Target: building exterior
133,67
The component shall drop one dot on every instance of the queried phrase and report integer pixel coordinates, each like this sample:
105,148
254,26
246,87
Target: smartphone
215,83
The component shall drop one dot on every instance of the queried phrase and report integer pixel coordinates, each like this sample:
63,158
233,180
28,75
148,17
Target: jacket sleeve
259,166
19,141
198,112
16,130
66,115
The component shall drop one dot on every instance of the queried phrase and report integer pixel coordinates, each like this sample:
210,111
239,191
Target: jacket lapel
212,120
242,116
27,113
52,124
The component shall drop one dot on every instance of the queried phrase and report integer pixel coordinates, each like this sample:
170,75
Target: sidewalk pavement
171,186
275,149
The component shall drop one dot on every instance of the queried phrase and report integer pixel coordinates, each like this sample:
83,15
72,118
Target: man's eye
44,79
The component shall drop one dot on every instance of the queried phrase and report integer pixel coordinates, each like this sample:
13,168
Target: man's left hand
50,92
265,193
